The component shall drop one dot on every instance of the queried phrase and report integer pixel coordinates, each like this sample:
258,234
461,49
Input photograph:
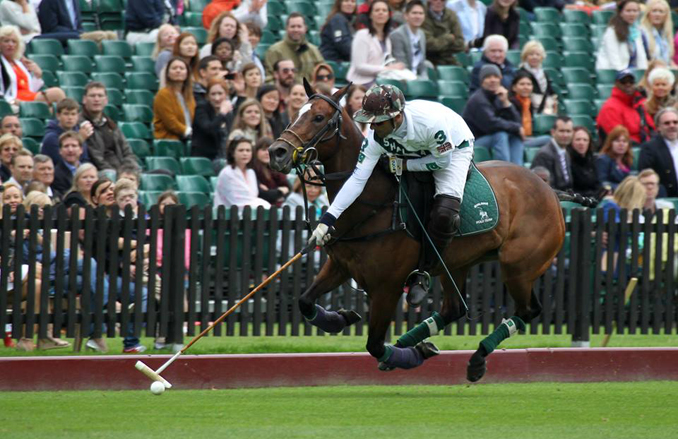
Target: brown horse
529,234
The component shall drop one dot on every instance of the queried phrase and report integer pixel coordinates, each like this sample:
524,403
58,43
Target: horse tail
576,198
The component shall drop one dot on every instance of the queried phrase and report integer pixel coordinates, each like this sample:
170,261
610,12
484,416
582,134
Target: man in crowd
554,157
209,67
295,47
108,148
408,42
70,152
43,171
494,52
650,180
661,153
66,120
284,75
21,168
11,124
61,20
443,32
494,121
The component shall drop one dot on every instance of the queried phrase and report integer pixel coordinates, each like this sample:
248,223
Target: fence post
581,277
176,279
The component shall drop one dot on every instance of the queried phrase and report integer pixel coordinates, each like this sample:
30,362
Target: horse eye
319,118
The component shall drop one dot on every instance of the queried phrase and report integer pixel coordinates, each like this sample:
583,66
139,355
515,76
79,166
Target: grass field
289,344
644,410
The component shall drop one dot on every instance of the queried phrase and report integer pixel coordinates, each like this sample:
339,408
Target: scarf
539,75
526,113
661,49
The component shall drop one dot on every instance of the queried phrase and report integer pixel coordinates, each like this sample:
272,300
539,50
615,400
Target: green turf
353,343
644,410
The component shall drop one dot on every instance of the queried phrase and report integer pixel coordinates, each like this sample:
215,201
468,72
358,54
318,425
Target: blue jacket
50,143
508,71
485,115
336,38
609,172
144,14
53,16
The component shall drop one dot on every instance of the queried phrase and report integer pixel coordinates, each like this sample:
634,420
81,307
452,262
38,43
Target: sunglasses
287,70
325,77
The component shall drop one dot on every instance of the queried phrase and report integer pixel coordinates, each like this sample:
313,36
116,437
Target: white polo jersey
432,137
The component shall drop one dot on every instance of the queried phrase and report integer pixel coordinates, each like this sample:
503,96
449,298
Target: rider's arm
434,161
367,160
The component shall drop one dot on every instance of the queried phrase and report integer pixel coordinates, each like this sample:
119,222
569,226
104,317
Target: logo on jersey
483,216
447,146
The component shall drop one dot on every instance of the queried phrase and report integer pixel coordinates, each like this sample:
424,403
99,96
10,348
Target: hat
623,74
487,70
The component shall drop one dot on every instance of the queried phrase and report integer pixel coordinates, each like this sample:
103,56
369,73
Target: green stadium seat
513,56
157,182
402,85
198,5
604,90
77,63
308,9
275,8
421,89
140,148
638,74
110,64
193,19
635,150
146,49
144,97
597,31
574,30
547,15
190,199
119,48
455,103
115,97
112,112
141,81
324,9
275,24
138,113
453,89
542,123
72,79
531,153
197,166
5,108
149,198
572,16
143,64
573,44
481,154
31,144
261,50
579,59
576,75
110,80
169,148
555,76
267,36
313,37
585,121
38,110
193,183
545,30
166,163
524,29
606,76
49,63
581,92
213,183
83,48
549,43
463,59
602,17
598,104
74,93
49,78
135,130
33,127
199,33
579,107
45,46
553,60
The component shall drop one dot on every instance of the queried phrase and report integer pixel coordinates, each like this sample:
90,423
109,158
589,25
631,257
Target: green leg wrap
387,354
430,326
504,331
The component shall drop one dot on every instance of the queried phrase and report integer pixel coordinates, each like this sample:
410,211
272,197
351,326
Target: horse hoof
476,370
350,316
385,367
427,349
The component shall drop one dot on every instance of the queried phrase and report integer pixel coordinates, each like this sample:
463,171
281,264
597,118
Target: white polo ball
157,388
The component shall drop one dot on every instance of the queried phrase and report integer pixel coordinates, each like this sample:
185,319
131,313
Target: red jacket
215,8
623,109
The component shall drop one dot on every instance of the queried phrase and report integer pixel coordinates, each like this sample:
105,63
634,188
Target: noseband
306,152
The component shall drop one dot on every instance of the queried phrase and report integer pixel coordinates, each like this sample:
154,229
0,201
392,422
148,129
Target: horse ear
336,97
309,90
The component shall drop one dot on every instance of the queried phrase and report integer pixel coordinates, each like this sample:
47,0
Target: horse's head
311,135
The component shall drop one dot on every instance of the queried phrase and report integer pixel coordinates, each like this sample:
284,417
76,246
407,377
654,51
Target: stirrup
418,283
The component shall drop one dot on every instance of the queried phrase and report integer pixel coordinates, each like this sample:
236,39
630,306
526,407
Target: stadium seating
166,163
157,182
196,166
193,183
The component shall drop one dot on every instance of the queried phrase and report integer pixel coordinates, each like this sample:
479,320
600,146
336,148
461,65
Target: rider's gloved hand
321,235
395,165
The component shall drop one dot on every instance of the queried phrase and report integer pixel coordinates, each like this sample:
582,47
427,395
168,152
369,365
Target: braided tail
576,198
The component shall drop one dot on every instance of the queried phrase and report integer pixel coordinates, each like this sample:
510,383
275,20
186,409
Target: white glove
188,132
321,235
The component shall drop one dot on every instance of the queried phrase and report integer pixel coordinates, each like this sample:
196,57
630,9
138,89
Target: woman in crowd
657,28
250,122
21,77
81,191
102,194
21,14
471,14
295,101
584,172
227,26
615,158
246,83
174,105
314,194
273,185
521,98
544,97
164,46
336,34
186,48
622,44
269,96
211,122
644,83
371,46
502,18
9,146
237,183
323,73
224,49
354,102
660,83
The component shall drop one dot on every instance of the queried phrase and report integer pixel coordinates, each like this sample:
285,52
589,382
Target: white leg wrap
510,325
432,326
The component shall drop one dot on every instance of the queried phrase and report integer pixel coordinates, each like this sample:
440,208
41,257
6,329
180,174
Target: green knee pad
430,326
504,331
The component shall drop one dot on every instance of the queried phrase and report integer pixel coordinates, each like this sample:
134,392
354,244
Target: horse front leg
329,278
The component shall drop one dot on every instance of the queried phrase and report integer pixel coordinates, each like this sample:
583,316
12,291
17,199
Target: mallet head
141,367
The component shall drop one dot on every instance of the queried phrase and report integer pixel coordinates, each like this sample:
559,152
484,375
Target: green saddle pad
479,210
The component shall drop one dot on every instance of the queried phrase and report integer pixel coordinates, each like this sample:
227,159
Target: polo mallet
627,295
155,374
